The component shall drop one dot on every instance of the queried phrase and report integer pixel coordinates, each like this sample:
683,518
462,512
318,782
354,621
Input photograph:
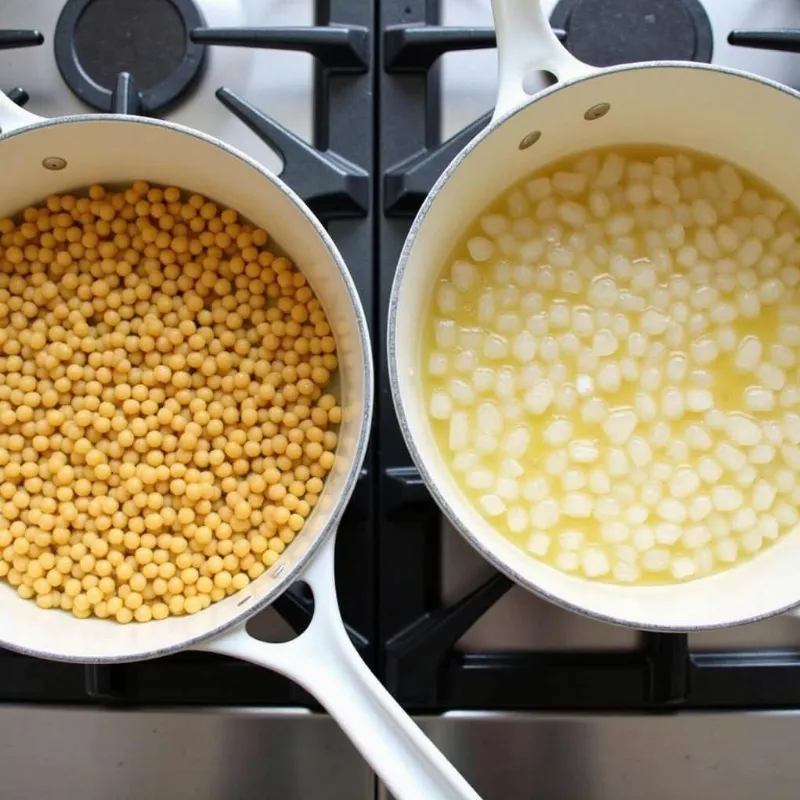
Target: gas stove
360,104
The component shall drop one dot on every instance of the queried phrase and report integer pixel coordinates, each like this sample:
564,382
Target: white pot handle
13,117
525,43
324,662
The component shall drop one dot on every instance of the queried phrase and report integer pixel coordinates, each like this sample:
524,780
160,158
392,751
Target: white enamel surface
749,123
324,662
107,149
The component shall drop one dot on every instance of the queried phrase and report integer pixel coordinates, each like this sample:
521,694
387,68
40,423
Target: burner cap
608,32
96,40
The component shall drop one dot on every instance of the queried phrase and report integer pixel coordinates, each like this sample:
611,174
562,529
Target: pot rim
474,539
294,572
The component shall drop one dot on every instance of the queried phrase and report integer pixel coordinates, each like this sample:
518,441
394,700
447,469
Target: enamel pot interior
739,118
109,150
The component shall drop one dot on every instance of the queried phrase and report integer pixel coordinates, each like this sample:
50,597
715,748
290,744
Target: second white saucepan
737,117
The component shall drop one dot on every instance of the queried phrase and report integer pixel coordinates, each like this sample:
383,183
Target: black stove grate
333,177
417,632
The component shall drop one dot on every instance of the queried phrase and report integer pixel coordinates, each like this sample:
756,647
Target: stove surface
281,83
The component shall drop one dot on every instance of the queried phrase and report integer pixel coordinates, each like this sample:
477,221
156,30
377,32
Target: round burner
95,40
608,32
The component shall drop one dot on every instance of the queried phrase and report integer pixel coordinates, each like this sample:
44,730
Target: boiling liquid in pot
611,365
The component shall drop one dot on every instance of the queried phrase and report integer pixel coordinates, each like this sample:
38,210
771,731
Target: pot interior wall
112,151
737,118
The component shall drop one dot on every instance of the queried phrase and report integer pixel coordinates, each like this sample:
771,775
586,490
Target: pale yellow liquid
728,382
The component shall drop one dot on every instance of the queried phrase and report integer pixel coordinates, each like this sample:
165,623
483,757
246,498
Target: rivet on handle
54,163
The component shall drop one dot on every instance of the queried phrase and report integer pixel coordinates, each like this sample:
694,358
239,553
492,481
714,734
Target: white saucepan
738,117
42,157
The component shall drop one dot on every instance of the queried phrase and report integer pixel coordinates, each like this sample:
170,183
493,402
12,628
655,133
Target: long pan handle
525,43
13,117
324,662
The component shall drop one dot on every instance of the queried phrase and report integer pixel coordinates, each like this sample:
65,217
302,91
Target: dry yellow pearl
149,455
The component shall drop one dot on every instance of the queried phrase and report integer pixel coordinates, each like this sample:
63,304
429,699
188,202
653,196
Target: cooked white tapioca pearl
603,292
538,544
620,425
548,349
699,400
656,560
704,350
490,420
785,514
483,379
535,489
726,550
447,298
461,392
749,354
749,304
517,519
480,479
538,398
577,505
495,347
757,398
463,275
568,560
538,188
445,334
507,488
557,432
604,343
790,428
517,204
743,520
465,361
672,403
683,567
768,526
781,356
751,541
747,476
726,498
730,457
492,505
743,431
595,562
671,510
791,455
609,378
494,224
508,324
640,452
771,376
762,454
480,248
441,405
505,386
660,434
611,172
437,364
556,463
573,480
459,430
699,508
684,482
546,513
654,323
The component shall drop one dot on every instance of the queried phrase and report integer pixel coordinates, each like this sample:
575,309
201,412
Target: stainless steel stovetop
226,754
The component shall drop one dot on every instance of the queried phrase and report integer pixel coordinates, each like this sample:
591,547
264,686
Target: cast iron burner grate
609,32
